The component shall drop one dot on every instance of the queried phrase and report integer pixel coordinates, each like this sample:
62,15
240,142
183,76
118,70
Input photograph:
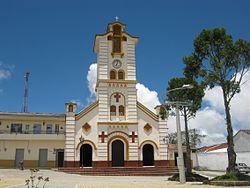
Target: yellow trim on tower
86,110
147,111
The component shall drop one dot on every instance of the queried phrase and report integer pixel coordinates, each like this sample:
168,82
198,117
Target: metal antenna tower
25,96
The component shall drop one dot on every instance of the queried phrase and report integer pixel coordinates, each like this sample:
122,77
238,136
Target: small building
215,157
173,154
36,138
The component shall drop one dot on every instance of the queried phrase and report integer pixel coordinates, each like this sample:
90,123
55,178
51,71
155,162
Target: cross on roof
116,18
103,136
133,136
117,96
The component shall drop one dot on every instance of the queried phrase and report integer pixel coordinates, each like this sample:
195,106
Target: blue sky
54,41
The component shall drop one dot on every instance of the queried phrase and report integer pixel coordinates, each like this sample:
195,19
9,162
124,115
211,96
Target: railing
32,132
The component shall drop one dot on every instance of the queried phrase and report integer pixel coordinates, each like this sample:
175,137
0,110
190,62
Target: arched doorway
148,155
86,155
117,153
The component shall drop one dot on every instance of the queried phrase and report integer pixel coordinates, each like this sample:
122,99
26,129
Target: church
114,131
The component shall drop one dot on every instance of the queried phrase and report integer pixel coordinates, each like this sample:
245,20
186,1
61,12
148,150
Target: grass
190,177
232,176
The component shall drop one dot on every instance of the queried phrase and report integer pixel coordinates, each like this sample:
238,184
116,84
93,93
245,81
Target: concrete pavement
16,178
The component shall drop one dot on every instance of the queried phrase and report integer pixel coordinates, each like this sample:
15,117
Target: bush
232,176
190,177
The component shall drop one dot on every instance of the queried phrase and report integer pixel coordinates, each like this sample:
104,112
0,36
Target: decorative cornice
117,123
147,111
86,110
115,81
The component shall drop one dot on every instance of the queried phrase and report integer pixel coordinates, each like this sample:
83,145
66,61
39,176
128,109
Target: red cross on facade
117,96
102,136
133,136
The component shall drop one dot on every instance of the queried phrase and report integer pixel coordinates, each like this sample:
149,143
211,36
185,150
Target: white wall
241,142
218,161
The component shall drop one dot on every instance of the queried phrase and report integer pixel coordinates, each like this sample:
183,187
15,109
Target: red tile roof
212,148
219,146
246,131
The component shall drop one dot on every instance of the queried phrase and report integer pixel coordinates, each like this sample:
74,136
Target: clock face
117,63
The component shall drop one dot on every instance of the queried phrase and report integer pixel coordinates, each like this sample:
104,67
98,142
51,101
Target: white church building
114,131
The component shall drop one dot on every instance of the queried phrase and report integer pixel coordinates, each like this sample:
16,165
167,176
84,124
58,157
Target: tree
195,137
219,61
192,96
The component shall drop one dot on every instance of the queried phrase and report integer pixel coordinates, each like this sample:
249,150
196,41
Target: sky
53,40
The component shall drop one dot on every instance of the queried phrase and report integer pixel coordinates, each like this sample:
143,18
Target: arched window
112,110
117,38
121,110
70,108
121,75
112,74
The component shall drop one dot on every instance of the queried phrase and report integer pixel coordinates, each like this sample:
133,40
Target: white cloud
4,74
78,103
147,97
144,95
208,121
91,78
240,104
5,70
214,98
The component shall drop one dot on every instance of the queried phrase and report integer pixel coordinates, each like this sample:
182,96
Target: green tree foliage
191,96
219,61
163,112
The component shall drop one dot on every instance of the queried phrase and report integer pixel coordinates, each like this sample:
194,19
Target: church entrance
148,155
86,155
117,153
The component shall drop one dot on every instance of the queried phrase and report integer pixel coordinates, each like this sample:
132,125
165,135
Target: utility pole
25,96
180,159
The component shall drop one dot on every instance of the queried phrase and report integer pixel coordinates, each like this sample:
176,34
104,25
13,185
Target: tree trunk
230,142
188,159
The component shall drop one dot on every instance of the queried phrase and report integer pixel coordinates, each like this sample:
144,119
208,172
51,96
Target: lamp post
81,139
180,159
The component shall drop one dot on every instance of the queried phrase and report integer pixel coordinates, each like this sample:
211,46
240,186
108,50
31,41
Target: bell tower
116,74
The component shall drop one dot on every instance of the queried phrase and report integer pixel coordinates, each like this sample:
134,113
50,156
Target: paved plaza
14,178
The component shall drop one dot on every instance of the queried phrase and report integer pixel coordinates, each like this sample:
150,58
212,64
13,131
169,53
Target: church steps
122,171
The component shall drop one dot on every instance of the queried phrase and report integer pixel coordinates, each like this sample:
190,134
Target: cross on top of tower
116,18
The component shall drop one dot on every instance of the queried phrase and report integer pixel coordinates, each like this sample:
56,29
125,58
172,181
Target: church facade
114,131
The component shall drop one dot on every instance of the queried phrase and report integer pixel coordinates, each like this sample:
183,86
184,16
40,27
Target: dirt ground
7,182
